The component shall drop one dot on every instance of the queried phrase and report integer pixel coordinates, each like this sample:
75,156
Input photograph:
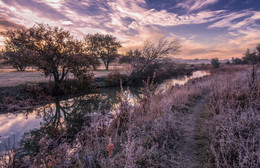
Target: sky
204,28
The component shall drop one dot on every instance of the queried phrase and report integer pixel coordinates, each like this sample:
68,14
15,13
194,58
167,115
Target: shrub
163,71
82,82
215,63
113,78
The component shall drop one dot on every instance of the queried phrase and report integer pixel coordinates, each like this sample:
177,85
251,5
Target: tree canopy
131,57
249,57
53,50
104,46
252,57
16,54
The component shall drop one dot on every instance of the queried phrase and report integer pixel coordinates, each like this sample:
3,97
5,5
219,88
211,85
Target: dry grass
233,125
230,69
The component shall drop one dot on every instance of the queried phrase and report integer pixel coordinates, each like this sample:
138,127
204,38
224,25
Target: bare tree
160,49
152,53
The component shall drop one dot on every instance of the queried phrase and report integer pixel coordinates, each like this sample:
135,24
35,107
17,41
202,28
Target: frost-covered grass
233,123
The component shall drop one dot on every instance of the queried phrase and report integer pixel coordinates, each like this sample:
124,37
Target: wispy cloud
232,45
115,16
6,24
237,20
192,5
142,16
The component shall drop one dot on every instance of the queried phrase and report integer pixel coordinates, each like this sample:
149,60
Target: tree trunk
57,85
57,89
20,68
107,64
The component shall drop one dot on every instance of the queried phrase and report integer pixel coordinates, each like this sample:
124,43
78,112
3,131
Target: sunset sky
205,28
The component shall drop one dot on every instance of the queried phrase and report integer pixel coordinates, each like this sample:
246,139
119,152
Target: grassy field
11,77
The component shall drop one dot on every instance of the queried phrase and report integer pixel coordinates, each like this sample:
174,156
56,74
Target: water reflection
62,115
67,117
181,80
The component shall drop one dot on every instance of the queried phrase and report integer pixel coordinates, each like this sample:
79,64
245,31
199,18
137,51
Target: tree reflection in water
65,118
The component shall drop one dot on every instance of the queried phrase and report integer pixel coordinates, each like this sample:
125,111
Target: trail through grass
189,154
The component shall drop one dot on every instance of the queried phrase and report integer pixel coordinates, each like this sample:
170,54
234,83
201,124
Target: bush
114,78
163,71
181,67
228,62
125,60
215,63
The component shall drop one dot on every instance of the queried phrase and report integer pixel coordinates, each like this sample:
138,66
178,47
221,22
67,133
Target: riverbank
29,89
106,99
26,90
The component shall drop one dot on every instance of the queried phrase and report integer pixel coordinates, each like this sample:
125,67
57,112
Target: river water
71,114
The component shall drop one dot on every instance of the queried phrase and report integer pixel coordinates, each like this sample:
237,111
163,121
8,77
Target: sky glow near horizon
205,28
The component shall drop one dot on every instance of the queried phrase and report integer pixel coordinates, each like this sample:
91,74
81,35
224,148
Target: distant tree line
250,57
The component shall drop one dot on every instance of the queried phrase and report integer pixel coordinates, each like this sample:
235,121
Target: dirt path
189,156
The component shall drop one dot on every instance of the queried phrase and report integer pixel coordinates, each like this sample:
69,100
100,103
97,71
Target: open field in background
11,77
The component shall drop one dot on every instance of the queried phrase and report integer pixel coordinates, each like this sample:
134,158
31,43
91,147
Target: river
71,114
